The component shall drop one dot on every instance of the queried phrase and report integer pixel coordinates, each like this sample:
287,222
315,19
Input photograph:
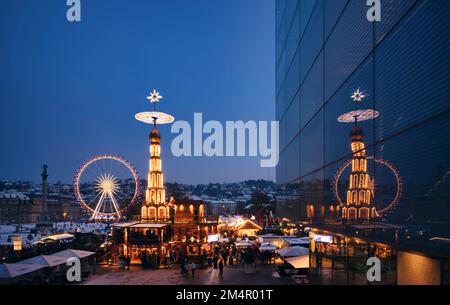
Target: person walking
128,261
210,264
221,264
193,267
215,261
186,266
182,267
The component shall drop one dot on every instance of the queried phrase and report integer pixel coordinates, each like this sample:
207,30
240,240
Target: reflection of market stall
344,258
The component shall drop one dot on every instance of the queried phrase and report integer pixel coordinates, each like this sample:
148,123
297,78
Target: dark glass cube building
325,50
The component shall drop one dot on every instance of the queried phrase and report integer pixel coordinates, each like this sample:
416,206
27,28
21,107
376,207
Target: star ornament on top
358,95
154,96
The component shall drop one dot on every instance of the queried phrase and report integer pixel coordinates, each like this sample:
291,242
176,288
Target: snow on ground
9,231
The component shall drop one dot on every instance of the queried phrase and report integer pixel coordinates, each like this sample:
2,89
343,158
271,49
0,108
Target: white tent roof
149,225
58,237
45,260
267,247
15,270
297,241
39,262
298,262
244,244
73,253
293,251
123,224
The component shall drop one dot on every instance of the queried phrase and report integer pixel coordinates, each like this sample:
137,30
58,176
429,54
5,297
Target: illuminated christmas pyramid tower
359,204
155,207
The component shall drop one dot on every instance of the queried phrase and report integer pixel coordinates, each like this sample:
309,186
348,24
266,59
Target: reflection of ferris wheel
105,186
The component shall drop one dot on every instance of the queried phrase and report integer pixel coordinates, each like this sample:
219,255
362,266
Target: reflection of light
323,238
253,217
360,115
358,95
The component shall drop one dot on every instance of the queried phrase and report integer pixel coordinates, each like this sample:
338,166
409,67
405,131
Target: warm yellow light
107,184
17,243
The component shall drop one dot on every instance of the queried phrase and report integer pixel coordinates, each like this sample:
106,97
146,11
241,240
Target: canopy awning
57,237
298,262
149,225
123,224
244,244
297,241
293,251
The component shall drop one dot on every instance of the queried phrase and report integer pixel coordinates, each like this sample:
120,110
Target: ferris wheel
106,186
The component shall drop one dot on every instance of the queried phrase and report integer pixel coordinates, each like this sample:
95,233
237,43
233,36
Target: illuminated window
152,212
161,212
310,210
361,196
364,213
144,213
352,213
374,213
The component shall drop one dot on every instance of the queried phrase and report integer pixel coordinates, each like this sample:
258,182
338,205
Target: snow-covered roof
14,195
15,270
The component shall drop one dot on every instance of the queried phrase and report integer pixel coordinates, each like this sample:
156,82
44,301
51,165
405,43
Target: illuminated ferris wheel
106,186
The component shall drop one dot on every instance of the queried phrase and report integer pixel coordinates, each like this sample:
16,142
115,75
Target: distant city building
15,208
222,207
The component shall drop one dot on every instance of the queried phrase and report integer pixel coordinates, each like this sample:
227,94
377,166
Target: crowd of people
224,254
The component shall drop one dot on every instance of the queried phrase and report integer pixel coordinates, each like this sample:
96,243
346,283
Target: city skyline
62,121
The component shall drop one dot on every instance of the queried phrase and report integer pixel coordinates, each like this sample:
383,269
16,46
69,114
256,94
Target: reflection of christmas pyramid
359,204
360,194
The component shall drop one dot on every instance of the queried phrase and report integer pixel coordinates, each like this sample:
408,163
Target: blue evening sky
70,90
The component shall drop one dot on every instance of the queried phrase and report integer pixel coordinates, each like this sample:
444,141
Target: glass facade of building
325,50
